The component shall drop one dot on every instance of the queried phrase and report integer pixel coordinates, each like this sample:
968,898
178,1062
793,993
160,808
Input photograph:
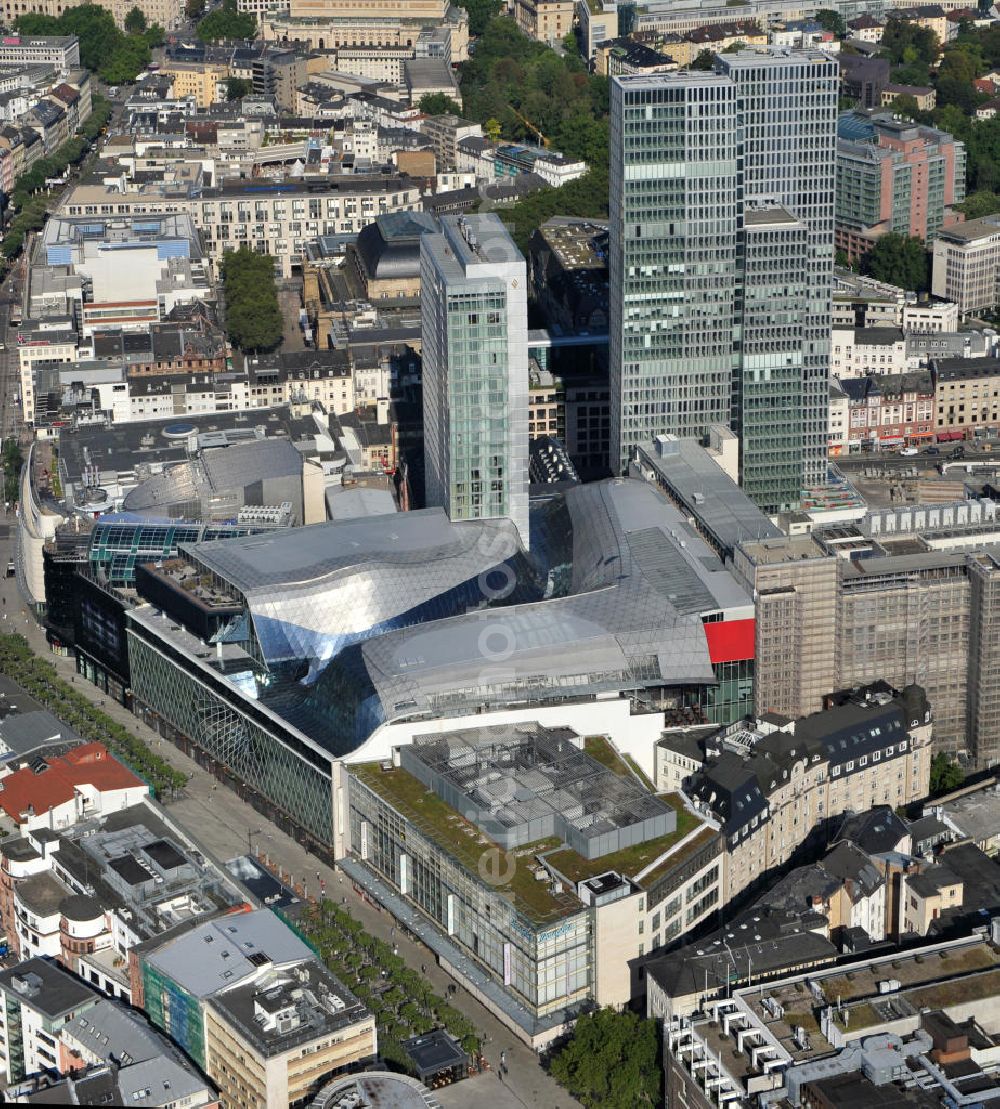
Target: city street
228,826
10,293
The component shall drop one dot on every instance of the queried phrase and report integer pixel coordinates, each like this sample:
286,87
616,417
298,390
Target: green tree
906,106
92,24
905,43
135,21
480,13
832,21
586,197
611,1061
116,57
194,9
154,36
226,23
705,61
983,202
237,88
12,461
437,104
129,57
913,73
899,260
253,315
945,775
960,65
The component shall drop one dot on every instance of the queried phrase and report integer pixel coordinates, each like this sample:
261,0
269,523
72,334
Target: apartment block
474,320
889,410
596,21
205,81
796,618
274,1041
775,784
167,13
906,596
84,896
39,998
548,21
278,218
279,75
966,394
61,51
52,1025
250,1003
894,176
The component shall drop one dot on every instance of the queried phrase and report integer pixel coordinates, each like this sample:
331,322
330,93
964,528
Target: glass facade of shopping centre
546,966
262,755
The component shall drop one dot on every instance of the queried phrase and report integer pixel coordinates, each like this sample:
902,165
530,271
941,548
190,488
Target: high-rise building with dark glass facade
721,261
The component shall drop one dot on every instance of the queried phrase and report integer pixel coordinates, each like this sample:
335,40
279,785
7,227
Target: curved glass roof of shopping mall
640,583
389,614
309,592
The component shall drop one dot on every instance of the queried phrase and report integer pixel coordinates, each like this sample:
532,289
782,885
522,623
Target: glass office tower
705,326
769,382
474,326
788,147
672,259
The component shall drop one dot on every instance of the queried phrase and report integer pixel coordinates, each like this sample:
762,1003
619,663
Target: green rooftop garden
469,846
631,860
600,750
464,842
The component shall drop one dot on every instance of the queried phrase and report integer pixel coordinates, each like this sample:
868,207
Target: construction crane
531,127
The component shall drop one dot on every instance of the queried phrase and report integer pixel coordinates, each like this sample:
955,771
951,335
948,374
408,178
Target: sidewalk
227,826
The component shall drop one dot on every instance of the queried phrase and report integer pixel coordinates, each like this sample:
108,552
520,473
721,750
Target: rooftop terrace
931,980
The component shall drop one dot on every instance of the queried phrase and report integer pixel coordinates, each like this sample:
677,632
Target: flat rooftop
512,779
444,826
315,1002
977,814
692,478
463,841
787,548
119,448
769,217
44,986
971,230
953,974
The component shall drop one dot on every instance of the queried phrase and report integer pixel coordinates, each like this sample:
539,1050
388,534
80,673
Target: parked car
909,451
932,450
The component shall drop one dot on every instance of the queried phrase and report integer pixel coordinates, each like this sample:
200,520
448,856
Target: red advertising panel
730,640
